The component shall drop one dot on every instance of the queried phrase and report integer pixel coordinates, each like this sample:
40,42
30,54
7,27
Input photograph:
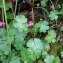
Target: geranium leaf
50,37
53,15
52,59
36,46
21,23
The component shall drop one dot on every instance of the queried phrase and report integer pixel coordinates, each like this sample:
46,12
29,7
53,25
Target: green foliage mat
24,39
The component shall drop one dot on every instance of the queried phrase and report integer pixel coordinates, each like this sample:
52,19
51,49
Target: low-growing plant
26,40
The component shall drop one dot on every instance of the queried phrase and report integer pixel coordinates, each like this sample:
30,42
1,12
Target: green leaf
1,3
41,26
40,61
6,60
28,55
46,46
62,54
9,15
15,59
61,11
21,23
10,39
51,59
19,40
44,27
44,3
21,19
2,56
37,25
53,15
8,5
36,46
44,54
31,54
2,32
16,37
50,37
35,29
57,60
4,47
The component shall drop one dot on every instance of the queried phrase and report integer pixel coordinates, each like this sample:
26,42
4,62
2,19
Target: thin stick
33,15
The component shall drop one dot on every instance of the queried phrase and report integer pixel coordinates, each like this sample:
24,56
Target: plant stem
32,11
33,1
4,9
5,15
33,16
43,9
15,8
